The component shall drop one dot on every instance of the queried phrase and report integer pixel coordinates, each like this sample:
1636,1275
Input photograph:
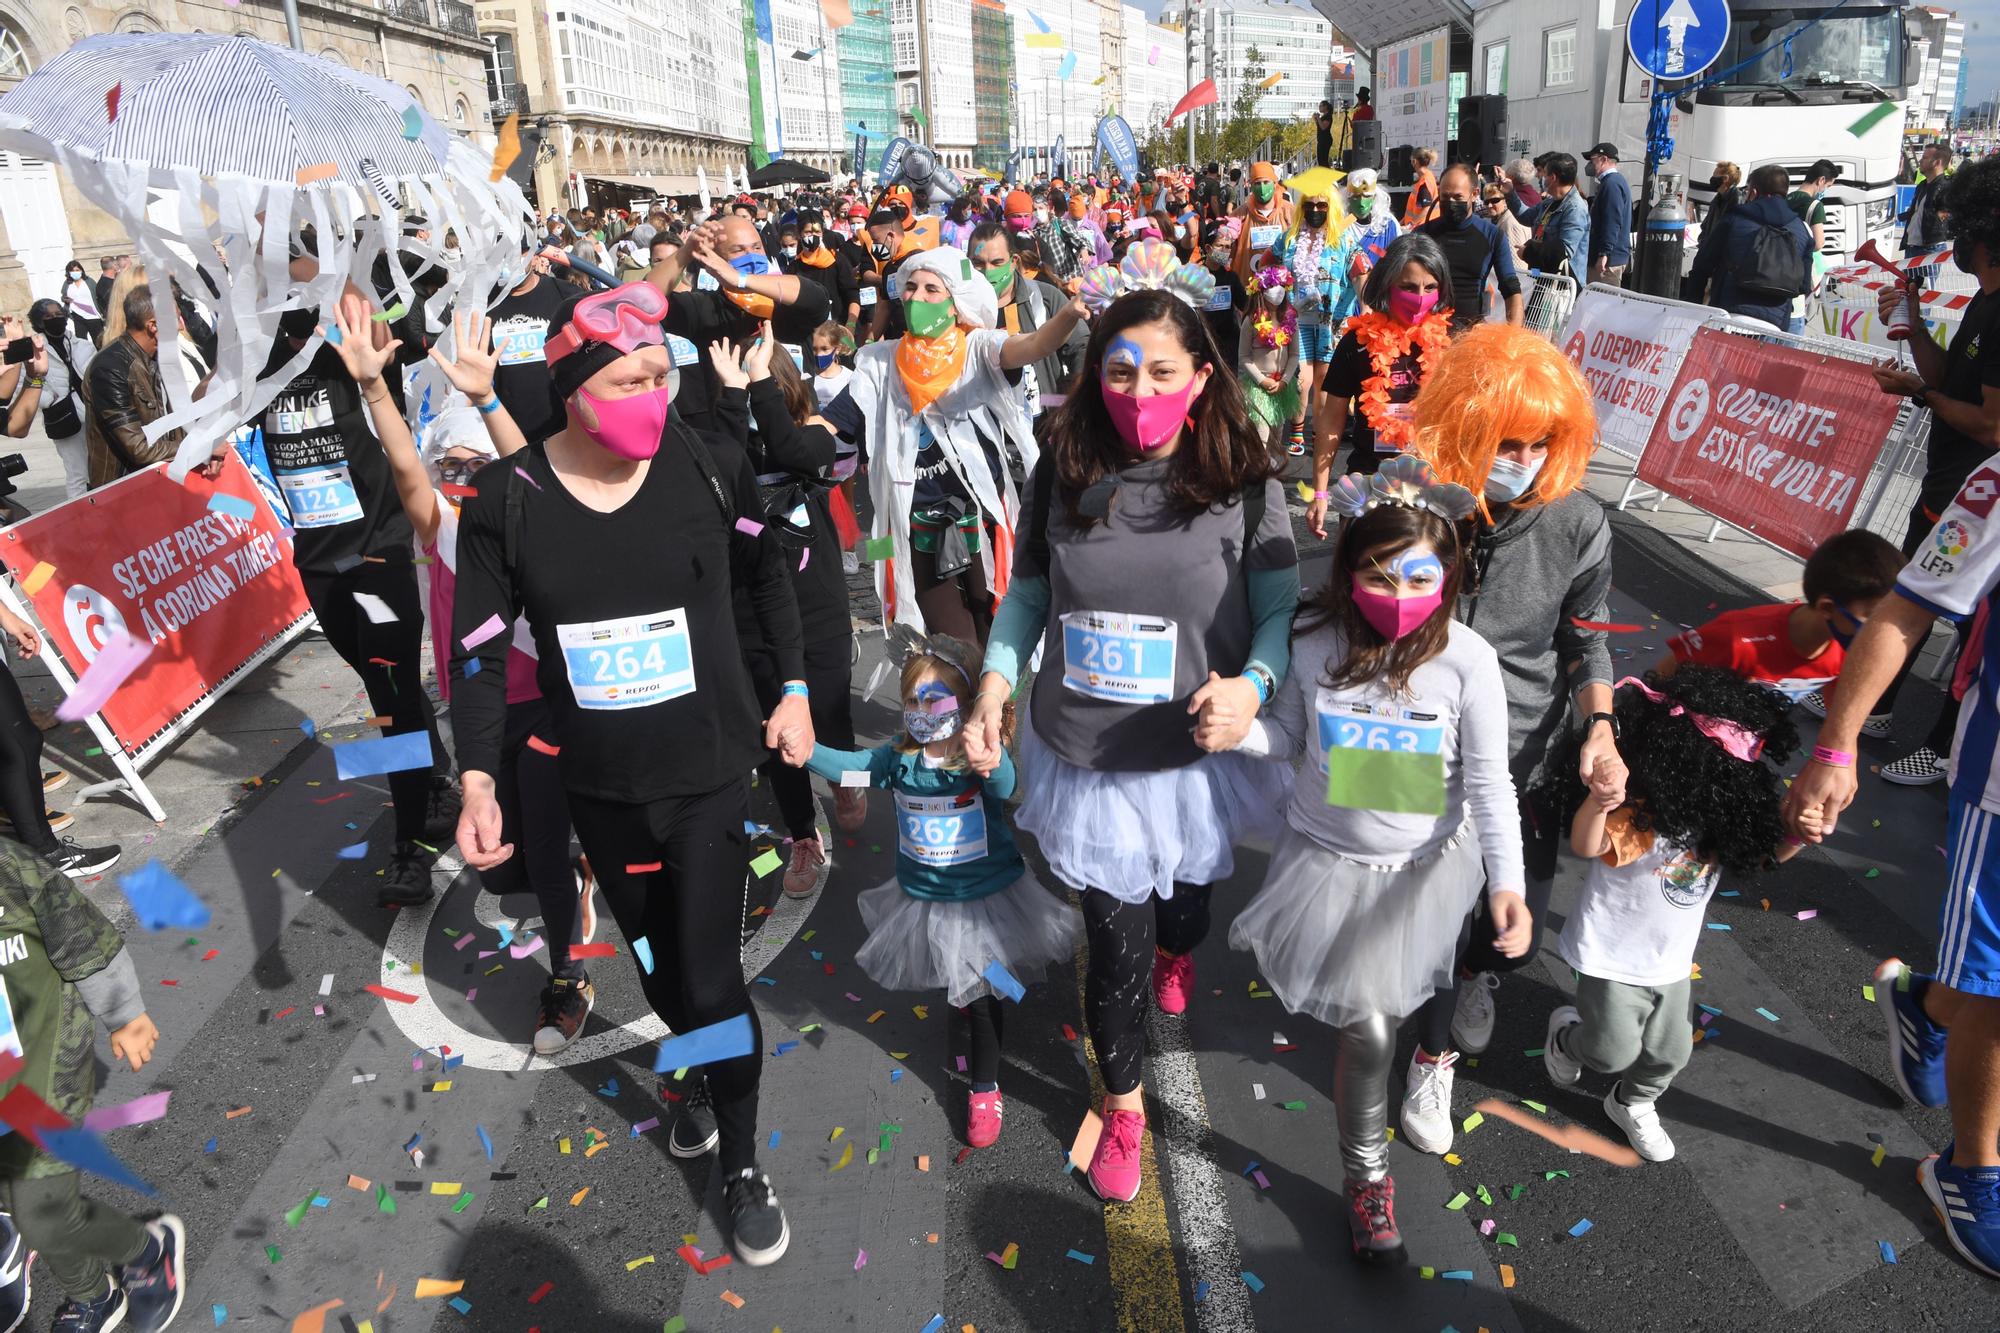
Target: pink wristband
1832,758
1321,495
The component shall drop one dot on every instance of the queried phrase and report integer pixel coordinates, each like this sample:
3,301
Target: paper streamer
114,665
377,610
83,1150
726,1040
138,1111
222,502
385,754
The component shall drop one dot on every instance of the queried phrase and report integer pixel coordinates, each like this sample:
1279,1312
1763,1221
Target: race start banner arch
202,568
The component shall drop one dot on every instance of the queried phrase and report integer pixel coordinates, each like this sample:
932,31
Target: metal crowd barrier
1550,301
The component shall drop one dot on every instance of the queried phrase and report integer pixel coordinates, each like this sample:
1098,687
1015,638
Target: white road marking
1207,1234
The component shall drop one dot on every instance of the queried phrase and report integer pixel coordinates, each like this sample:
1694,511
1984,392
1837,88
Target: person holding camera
57,390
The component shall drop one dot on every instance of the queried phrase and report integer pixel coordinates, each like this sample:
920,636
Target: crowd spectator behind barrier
1757,261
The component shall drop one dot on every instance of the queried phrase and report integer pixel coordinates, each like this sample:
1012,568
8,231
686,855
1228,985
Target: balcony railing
455,16
409,11
512,101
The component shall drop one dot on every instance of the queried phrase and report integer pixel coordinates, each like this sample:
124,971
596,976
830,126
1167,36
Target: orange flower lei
1386,342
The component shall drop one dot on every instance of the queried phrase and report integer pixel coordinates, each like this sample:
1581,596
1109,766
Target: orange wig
1498,383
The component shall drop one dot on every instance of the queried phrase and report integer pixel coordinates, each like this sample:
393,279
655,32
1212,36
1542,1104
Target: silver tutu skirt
1132,835
919,944
1341,940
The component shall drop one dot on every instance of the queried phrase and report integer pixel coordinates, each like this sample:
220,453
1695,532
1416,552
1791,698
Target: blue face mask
751,264
821,360
1508,481
1845,640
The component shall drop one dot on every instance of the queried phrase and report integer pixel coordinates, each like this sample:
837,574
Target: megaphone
925,177
1899,323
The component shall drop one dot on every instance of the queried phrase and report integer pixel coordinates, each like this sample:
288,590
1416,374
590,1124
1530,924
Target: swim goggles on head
626,317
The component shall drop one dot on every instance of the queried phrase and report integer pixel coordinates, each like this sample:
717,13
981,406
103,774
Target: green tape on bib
1400,784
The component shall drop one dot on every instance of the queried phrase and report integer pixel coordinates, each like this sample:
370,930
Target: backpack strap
1253,517
1044,483
705,463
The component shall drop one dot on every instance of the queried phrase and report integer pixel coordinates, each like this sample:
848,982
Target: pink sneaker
802,875
850,808
1114,1167
1173,980
982,1119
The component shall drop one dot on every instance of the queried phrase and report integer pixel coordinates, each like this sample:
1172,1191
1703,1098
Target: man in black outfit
1474,248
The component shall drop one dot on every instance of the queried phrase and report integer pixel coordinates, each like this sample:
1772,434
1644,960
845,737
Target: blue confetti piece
1720,925
383,754
471,667
776,1135
610,1088
332,333
817,956
1254,1164
1581,1227
415,1139
321,1201
1252,1281
643,951
212,1145
1003,981
895,1076
222,502
485,1141
160,901
784,1046
353,852
311,731
1457,1275
1767,1013
1201,1291
718,1041
462,1305
937,1320
219,1313
1730,893
1082,1258
766,981
1709,1009
452,1062
1888,1252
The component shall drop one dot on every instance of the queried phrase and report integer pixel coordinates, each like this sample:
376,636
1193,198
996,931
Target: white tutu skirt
1132,835
1341,940
929,944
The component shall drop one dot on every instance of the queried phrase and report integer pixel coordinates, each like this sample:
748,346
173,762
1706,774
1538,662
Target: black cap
1602,150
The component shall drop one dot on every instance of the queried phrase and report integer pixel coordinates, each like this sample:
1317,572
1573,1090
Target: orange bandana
930,366
817,258
757,307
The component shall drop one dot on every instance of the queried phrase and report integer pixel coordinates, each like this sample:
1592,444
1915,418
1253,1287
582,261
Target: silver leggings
1361,1095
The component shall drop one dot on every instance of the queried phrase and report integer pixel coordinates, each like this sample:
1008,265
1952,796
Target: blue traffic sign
1677,39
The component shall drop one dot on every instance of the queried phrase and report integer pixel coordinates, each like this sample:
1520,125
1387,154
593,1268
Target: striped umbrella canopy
222,106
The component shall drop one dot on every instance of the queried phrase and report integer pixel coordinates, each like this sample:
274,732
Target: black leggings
989,1027
534,817
389,658
1119,977
21,768
829,665
689,912
960,605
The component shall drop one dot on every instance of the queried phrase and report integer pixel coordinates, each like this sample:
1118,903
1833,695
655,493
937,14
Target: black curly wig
1972,195
1684,787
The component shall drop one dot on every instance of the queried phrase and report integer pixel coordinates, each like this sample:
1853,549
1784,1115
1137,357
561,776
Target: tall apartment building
806,59
1937,64
868,82
935,76
1294,43
992,97
1059,79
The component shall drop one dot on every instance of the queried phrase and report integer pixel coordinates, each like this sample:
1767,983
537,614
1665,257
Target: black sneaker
441,817
565,1004
83,862
17,1264
106,1312
757,1224
152,1282
408,882
694,1132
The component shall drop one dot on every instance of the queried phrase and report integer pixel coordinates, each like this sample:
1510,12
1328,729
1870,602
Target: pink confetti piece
1808,914
525,477
961,1064
1487,1227
1262,1183
749,527
486,631
948,704
524,950
472,995
852,996
487,953
804,556
115,663
463,941
138,1111
860,1260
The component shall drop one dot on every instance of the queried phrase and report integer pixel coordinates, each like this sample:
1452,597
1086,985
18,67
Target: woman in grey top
1158,560
1508,417
62,397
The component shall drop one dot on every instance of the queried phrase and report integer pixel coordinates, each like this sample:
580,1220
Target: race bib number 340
628,663
941,830
1108,655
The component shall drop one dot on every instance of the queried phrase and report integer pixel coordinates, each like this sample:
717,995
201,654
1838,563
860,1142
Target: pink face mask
1393,617
628,427
1147,423
1410,307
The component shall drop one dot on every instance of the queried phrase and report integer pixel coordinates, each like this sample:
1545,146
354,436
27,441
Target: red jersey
1756,643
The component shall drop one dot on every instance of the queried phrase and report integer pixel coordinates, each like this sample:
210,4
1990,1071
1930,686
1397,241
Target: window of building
14,61
500,78
1559,57
1496,69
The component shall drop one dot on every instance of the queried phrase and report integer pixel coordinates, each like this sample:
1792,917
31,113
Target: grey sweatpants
79,1239
1640,1033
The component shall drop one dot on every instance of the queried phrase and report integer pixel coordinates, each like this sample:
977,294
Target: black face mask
1456,211
1715,184
53,326
880,249
809,242
1316,217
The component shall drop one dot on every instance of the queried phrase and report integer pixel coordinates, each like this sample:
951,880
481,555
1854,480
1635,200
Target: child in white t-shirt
1699,800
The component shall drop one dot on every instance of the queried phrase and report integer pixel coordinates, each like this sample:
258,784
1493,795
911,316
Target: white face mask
1274,295
1041,215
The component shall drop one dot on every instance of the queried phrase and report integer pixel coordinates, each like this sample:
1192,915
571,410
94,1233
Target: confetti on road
1582,1226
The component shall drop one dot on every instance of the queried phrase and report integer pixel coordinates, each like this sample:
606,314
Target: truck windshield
1847,48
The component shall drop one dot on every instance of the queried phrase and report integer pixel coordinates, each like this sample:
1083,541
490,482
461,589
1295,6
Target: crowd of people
1057,419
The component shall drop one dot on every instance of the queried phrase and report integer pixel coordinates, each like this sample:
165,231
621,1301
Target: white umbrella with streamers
258,143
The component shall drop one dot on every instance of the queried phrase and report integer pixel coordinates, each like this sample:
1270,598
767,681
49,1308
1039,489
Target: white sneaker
1563,1070
1641,1123
1472,1023
1427,1104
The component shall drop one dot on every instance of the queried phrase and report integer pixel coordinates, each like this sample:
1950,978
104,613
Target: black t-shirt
1221,313
1471,251
796,460
1351,368
632,617
697,319
521,380
794,324
331,469
1972,366
937,481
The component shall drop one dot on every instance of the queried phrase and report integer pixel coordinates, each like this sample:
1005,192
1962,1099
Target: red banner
1772,439
203,569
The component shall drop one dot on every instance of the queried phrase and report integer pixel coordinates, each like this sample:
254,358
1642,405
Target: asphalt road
300,1103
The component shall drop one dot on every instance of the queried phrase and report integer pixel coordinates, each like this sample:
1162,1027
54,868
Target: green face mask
1362,207
1000,277
1265,189
926,319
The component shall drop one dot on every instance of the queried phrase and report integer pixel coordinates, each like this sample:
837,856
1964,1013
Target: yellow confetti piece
846,1156
428,1287
1305,492
562,1146
37,578
877,1014
577,1197
442,1085
921,1010
1880,1153
899,1055
631,1264
445,1187
838,1130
